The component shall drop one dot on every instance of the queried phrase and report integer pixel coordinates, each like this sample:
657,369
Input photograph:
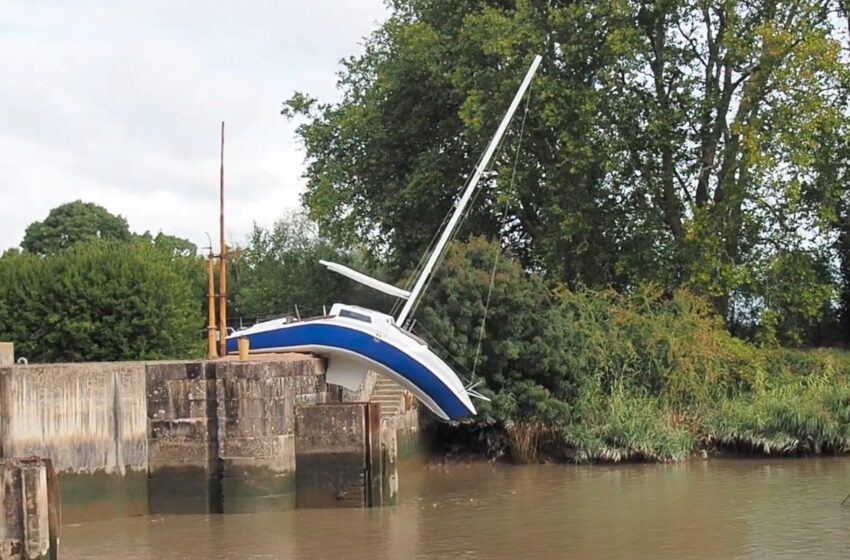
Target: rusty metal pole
212,350
222,259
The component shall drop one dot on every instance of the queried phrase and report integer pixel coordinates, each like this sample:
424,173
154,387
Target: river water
719,508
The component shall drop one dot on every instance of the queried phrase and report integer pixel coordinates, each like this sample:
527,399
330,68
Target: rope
469,207
499,252
422,260
449,357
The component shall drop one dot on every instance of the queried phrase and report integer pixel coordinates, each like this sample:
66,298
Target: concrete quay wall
161,437
90,420
256,429
203,436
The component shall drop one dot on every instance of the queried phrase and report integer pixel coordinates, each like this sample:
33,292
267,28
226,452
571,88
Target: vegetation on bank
102,300
676,199
600,375
83,287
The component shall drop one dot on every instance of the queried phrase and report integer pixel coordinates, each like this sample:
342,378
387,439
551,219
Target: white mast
464,200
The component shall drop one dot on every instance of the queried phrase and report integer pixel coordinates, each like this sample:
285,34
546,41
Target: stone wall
256,429
331,455
222,433
90,420
340,457
191,437
163,437
183,462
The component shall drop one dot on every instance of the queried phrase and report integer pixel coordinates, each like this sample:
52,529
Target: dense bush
101,301
601,375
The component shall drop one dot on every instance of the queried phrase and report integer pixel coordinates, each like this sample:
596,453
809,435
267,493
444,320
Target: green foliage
603,375
626,425
680,143
280,269
176,246
99,301
72,223
792,415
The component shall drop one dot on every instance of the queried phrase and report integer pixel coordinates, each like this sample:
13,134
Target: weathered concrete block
180,389
176,449
330,428
272,446
90,419
245,467
332,451
263,388
197,429
172,409
183,465
7,353
26,529
284,366
180,370
253,408
171,467
255,427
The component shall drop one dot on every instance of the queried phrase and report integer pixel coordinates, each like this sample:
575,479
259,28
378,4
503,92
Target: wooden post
222,280
212,350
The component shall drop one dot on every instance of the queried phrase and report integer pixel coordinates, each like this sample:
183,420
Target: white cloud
121,105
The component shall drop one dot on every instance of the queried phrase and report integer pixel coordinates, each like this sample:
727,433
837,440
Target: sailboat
355,340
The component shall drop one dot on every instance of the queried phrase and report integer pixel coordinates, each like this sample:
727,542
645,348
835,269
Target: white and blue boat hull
353,347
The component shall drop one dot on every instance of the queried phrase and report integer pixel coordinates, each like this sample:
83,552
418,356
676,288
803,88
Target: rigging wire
468,210
499,252
433,243
446,352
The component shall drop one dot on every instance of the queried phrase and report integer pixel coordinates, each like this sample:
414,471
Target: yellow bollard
243,348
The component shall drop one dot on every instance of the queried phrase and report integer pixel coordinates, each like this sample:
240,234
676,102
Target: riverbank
652,377
791,412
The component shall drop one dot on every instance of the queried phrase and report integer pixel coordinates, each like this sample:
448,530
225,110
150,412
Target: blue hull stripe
355,341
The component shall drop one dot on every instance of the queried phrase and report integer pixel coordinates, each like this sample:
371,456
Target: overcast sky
120,103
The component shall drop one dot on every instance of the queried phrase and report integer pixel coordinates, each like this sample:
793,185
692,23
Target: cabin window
353,315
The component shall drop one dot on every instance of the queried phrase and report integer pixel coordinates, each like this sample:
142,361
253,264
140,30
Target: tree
521,358
99,301
71,223
680,142
171,244
280,269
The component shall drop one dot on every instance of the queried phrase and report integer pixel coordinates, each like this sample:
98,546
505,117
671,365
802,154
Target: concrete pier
203,437
28,523
184,470
256,402
91,421
338,455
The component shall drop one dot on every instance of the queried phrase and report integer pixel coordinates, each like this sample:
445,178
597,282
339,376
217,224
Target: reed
645,377
600,375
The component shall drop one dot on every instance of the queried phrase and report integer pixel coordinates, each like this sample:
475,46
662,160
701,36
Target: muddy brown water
719,508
